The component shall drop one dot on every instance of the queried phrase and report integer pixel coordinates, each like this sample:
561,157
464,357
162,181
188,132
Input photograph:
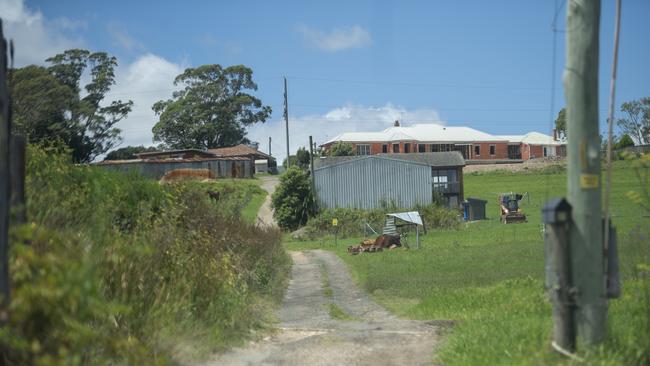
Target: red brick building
472,144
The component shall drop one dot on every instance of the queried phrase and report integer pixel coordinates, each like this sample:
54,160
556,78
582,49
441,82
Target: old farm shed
156,164
404,180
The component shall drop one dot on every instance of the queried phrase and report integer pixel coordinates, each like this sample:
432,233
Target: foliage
352,221
560,124
641,166
48,102
293,201
488,278
211,110
118,269
39,102
636,123
624,141
128,152
301,159
341,148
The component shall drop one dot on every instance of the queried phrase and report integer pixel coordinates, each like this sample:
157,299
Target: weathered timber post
5,132
556,216
17,148
583,151
311,166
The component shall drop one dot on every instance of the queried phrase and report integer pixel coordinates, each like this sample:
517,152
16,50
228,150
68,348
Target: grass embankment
489,277
245,193
118,269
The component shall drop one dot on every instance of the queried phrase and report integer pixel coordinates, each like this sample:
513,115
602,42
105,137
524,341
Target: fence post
5,131
556,214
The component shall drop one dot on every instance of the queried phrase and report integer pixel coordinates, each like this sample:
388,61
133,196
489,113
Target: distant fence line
156,169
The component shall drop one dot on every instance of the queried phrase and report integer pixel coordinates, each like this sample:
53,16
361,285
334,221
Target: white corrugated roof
420,132
532,138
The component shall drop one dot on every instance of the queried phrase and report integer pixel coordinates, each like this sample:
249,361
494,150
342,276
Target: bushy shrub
352,221
293,202
117,269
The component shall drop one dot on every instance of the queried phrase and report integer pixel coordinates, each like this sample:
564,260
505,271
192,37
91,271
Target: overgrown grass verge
118,269
488,277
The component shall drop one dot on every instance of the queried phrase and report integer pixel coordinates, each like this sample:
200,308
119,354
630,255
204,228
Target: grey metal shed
367,182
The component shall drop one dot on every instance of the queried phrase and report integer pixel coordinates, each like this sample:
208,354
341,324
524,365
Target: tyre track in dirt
308,335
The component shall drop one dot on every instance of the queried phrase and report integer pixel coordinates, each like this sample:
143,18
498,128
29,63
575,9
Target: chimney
554,134
396,124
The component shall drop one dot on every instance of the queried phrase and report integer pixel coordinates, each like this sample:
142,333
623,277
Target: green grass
339,314
489,277
249,213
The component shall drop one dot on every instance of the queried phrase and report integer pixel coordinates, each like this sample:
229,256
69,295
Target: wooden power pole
286,119
584,159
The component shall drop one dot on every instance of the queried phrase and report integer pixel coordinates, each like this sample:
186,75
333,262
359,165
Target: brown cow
382,242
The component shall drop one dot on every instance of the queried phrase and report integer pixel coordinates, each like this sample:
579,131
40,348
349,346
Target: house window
433,148
384,148
492,149
422,148
395,148
477,150
363,149
407,148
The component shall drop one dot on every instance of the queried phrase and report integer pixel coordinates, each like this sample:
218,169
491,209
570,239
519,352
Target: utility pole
584,188
286,119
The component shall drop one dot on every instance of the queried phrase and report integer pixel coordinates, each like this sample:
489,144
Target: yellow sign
589,181
335,222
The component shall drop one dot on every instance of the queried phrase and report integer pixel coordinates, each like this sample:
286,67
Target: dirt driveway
265,214
308,335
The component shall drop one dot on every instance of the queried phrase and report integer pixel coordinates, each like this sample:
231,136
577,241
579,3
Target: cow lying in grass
382,242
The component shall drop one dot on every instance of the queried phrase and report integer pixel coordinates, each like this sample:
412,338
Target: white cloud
323,127
337,39
148,79
35,38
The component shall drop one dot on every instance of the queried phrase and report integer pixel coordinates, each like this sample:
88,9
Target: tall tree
91,115
636,122
39,105
560,124
48,103
211,110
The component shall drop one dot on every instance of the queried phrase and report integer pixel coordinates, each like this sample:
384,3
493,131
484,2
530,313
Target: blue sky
350,65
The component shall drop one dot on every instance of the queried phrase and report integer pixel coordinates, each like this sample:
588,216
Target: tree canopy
560,124
341,148
211,110
128,152
636,122
48,102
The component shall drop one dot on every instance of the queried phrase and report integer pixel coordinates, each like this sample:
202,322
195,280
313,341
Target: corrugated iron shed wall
222,168
367,182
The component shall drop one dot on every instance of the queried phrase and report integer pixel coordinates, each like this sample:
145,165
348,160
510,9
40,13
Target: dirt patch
308,335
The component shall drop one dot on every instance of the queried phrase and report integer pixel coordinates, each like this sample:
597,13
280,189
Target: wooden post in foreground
556,216
5,133
583,169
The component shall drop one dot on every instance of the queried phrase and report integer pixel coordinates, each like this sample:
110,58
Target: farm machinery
510,210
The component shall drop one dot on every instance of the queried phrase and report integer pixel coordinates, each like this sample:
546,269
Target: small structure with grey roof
402,180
